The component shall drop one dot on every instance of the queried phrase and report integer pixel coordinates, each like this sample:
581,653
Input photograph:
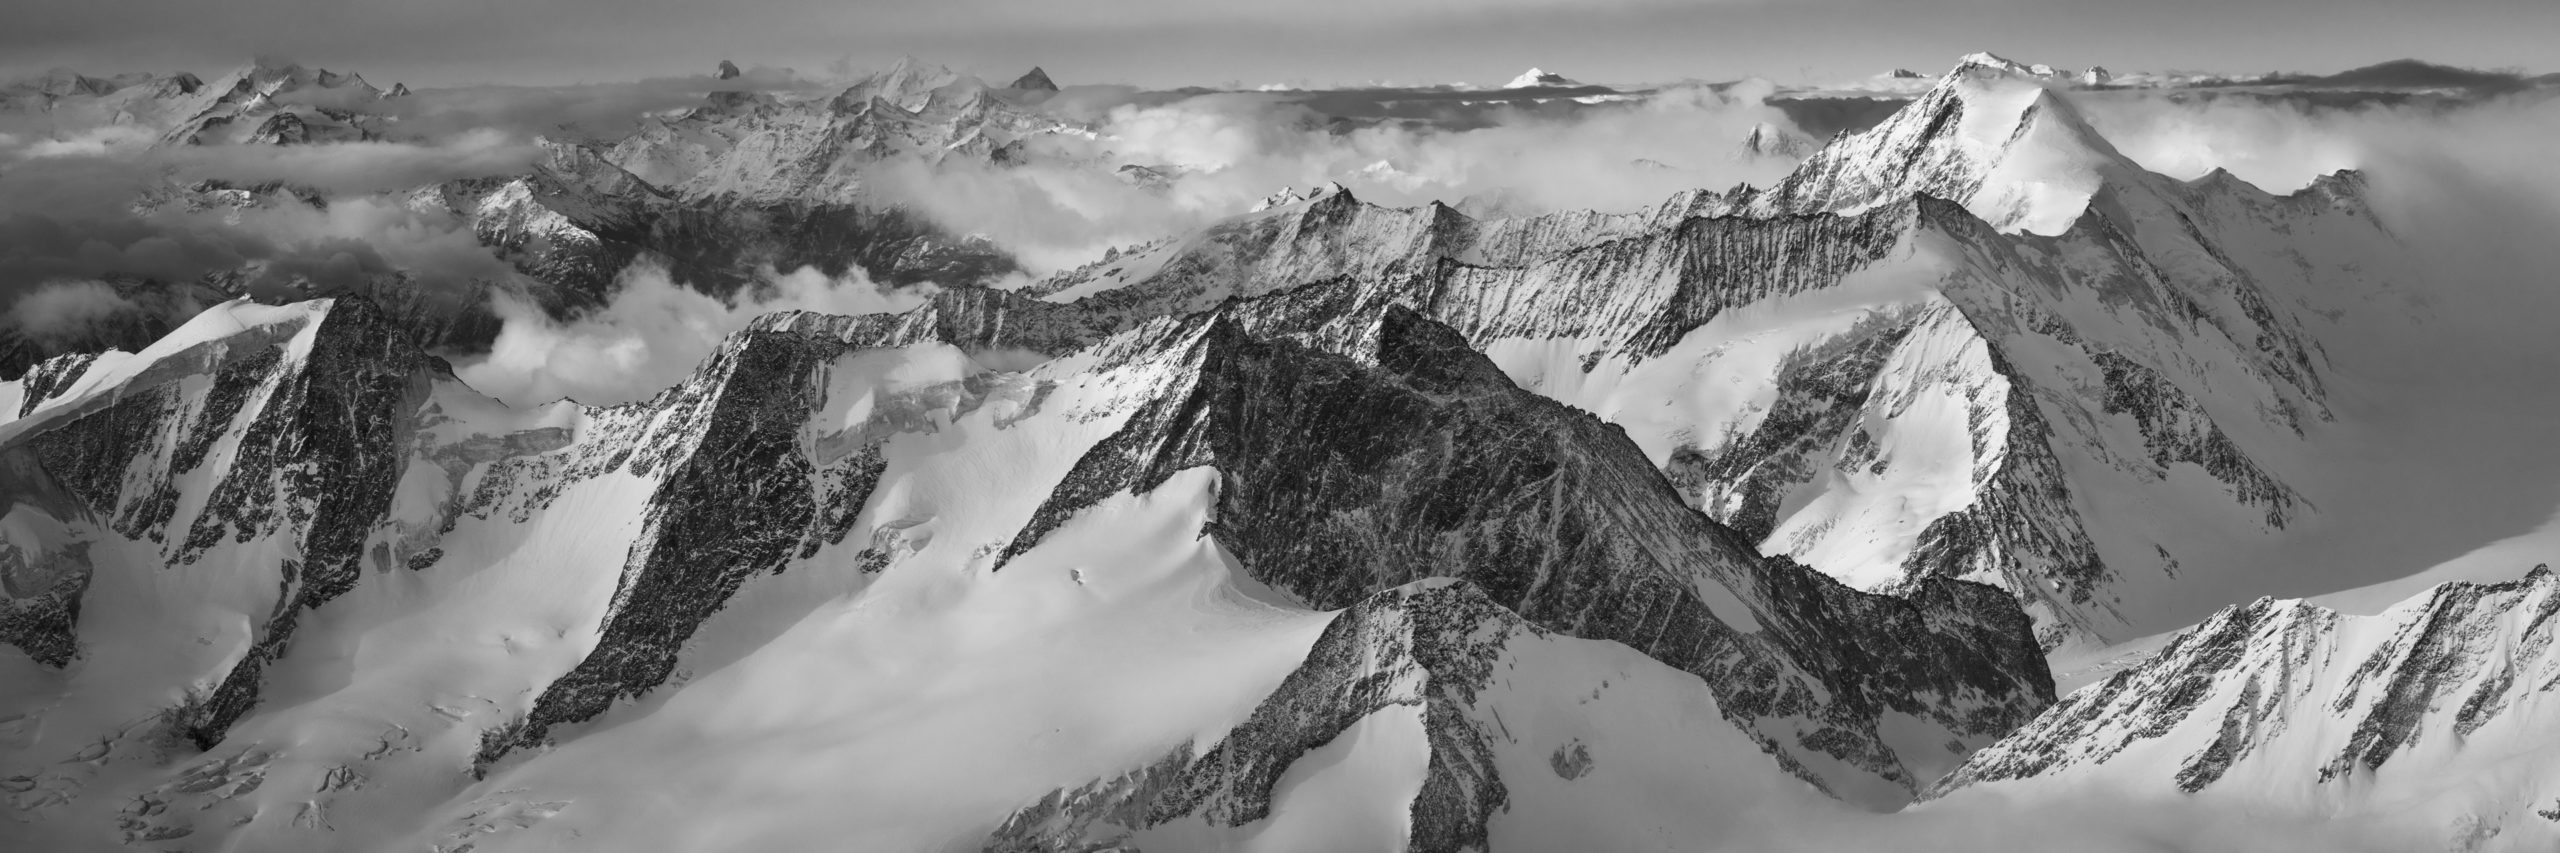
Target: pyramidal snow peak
1991,135
1536,77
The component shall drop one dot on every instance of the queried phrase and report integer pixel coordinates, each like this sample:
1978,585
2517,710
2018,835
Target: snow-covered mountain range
1911,387
1747,517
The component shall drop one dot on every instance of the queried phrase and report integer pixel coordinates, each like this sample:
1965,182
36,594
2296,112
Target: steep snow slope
1428,718
1989,135
2436,714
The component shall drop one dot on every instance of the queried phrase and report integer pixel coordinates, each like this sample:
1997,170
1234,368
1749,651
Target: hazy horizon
1329,42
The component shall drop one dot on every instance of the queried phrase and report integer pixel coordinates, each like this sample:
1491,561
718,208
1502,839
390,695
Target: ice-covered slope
2436,714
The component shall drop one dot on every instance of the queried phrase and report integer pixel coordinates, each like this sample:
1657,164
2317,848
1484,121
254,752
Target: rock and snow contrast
1539,78
1938,345
1755,519
2435,716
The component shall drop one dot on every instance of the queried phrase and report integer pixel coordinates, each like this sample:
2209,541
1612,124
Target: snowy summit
1536,77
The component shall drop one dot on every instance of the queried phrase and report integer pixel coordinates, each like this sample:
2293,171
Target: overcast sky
1174,42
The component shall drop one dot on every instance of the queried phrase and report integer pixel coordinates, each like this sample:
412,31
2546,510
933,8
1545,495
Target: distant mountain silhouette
2415,74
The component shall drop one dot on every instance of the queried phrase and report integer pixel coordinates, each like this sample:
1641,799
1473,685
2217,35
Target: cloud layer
653,333
1218,153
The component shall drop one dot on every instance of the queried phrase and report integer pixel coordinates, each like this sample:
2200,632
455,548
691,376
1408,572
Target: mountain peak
1991,135
1984,60
1536,77
1291,195
906,83
2417,74
1035,80
1769,140
273,63
1987,59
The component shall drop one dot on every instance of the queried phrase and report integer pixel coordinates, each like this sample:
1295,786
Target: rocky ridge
2280,702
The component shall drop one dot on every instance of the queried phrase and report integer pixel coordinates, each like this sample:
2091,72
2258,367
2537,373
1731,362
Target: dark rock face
318,447
1342,479
282,129
51,377
2176,429
736,496
2273,671
975,319
40,590
1034,80
336,436
2023,529
1820,391
1634,291
739,485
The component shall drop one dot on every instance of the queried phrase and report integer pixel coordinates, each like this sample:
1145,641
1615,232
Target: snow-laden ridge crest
2281,702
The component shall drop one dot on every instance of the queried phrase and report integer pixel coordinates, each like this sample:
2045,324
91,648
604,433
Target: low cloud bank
98,211
651,335
1213,155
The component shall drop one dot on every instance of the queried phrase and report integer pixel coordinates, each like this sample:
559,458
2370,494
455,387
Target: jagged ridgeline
1343,474
2284,700
1946,336
1797,484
